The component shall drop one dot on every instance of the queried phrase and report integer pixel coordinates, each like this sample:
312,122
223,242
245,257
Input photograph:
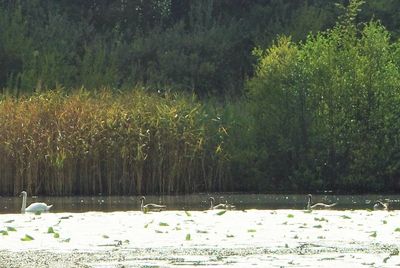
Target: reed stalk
84,143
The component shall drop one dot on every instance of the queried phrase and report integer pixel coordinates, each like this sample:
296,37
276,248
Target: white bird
150,207
34,207
220,206
379,205
317,205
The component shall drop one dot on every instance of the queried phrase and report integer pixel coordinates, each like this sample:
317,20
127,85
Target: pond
197,202
265,231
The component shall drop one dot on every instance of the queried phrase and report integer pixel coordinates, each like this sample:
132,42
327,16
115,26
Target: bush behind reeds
111,143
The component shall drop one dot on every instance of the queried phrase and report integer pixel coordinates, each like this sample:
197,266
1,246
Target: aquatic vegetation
3,232
56,235
397,229
188,237
50,230
251,230
290,216
345,217
320,219
27,238
163,224
93,140
147,224
221,213
373,234
11,229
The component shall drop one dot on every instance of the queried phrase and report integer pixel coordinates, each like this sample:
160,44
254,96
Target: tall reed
111,143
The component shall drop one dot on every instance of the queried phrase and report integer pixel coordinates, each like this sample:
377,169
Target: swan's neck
212,204
309,202
141,204
23,204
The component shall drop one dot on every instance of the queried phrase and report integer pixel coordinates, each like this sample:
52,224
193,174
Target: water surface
196,202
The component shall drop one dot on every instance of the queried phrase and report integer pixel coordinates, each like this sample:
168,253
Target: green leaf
50,230
163,224
3,232
397,229
147,224
56,235
188,237
27,238
11,229
221,212
290,216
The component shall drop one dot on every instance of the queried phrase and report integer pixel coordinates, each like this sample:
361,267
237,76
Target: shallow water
251,238
197,202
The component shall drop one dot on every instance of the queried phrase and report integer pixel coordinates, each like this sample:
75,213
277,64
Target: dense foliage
327,110
283,96
201,46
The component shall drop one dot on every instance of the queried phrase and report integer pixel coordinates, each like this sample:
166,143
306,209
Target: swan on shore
220,206
150,207
34,207
310,205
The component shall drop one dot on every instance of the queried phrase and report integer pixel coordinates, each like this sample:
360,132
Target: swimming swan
317,205
34,207
150,207
220,206
379,205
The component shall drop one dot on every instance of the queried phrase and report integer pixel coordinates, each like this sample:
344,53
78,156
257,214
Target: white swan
220,206
150,207
34,207
317,205
379,205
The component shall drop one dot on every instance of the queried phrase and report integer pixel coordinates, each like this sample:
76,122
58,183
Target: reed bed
85,143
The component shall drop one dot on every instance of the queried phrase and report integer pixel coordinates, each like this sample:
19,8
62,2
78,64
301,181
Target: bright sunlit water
197,202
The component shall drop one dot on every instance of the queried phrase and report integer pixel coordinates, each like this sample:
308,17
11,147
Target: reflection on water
197,202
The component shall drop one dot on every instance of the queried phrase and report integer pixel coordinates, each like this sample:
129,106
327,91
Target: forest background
173,96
